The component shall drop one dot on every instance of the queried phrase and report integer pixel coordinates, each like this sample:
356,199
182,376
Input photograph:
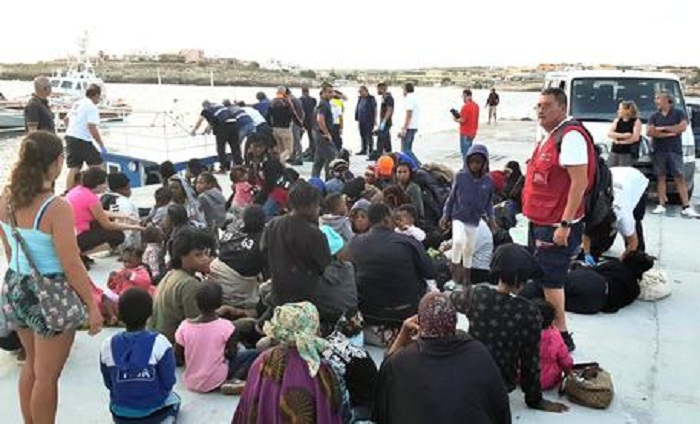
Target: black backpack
599,199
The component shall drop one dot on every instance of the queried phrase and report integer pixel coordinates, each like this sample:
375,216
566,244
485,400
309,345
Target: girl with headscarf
291,382
184,194
433,373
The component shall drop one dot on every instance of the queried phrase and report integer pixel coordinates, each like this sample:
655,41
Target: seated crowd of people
274,292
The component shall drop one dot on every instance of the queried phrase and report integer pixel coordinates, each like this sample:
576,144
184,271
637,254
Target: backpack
598,200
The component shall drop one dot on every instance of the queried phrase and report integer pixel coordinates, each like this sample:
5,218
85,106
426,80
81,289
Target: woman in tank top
625,133
47,225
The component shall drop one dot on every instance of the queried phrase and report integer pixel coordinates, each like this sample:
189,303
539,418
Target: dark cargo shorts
554,259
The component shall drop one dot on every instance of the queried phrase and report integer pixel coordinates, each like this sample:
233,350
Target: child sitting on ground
154,252
405,218
359,220
242,192
335,216
175,222
554,355
138,366
159,212
208,346
134,274
211,200
120,187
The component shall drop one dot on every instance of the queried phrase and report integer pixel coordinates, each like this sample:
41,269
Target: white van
594,97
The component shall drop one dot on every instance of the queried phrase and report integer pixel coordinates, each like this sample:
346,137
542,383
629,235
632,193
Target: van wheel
675,199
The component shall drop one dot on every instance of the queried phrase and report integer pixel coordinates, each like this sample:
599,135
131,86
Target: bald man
37,113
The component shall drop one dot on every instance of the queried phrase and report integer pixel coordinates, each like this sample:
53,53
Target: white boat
11,119
69,85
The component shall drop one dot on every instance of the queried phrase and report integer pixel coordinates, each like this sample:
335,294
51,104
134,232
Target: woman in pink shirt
208,346
93,225
554,355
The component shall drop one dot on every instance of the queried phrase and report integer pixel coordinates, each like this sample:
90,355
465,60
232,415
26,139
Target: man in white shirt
558,176
629,206
120,190
411,121
82,135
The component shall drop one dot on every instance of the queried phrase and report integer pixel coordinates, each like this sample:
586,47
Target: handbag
59,304
588,385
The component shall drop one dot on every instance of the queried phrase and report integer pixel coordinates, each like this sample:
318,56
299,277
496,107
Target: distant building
192,55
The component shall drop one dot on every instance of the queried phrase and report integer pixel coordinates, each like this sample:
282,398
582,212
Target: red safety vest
547,183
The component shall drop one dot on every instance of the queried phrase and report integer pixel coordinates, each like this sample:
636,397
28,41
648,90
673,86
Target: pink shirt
82,199
554,358
243,196
206,367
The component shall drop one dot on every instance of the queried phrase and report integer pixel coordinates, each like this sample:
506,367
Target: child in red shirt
134,274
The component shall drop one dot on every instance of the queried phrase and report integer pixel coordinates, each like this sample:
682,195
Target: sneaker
233,387
568,340
689,212
658,210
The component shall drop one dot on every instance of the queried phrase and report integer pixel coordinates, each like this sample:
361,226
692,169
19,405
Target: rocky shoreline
201,74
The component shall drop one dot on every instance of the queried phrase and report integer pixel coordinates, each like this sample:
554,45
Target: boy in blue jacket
138,366
470,200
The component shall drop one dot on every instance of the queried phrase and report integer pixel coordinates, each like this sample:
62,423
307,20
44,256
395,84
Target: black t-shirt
280,113
387,102
324,108
38,112
298,254
241,252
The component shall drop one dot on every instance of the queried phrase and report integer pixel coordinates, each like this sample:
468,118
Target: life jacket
547,184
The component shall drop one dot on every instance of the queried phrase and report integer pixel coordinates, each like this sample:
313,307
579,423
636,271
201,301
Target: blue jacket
138,368
470,198
366,110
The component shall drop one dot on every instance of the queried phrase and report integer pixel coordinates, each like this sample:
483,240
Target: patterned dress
280,389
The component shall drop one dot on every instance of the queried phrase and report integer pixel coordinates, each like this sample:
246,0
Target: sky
363,34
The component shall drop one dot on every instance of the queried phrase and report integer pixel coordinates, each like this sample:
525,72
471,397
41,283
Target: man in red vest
557,178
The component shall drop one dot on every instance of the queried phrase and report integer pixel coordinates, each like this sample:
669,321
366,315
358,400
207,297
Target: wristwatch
565,224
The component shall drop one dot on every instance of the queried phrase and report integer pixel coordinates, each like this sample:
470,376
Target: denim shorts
668,163
554,260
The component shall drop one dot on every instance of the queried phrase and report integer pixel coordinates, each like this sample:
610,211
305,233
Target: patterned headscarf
297,324
436,316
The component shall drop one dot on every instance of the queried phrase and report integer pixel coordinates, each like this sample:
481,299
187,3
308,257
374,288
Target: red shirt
470,119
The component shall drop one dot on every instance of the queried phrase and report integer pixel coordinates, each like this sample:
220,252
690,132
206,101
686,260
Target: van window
597,99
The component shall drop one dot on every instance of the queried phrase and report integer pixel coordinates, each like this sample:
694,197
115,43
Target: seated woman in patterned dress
290,382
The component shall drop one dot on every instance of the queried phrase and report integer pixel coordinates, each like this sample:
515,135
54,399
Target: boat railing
156,137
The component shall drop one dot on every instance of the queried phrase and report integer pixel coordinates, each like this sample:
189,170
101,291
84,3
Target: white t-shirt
82,113
484,247
574,149
628,187
411,103
126,206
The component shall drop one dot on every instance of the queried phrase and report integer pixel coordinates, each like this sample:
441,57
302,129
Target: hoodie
471,197
138,368
341,225
213,205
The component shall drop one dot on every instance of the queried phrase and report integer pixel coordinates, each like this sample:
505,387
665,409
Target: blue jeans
407,144
239,365
554,259
465,143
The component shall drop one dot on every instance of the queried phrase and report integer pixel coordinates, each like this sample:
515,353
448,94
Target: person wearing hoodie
211,200
430,364
241,266
138,366
470,199
335,216
337,293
